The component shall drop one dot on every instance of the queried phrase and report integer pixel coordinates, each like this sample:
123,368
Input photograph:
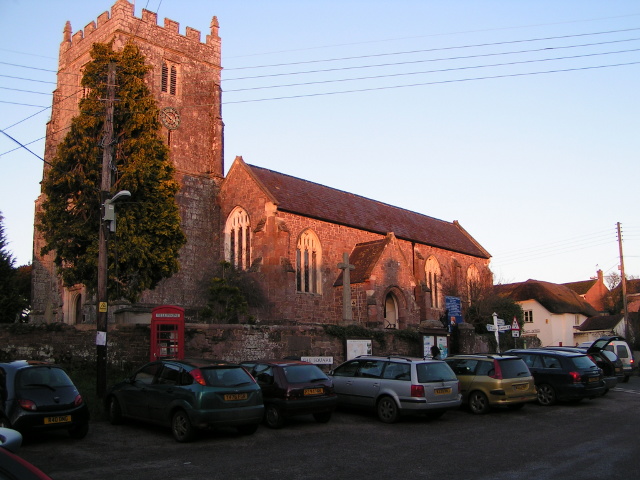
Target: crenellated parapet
121,18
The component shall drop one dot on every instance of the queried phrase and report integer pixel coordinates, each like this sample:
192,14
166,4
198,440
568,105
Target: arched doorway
390,311
77,310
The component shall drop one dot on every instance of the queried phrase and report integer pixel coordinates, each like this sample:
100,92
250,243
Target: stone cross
347,314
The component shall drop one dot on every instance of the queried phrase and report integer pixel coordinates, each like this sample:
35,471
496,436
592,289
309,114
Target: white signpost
497,327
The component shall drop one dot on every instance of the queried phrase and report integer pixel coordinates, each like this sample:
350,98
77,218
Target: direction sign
491,327
499,321
504,328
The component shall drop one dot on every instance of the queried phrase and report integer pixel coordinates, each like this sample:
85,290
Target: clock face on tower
170,118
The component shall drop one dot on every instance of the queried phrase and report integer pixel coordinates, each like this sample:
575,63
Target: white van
620,347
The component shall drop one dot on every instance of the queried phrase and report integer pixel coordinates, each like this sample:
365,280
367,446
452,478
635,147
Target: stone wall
128,345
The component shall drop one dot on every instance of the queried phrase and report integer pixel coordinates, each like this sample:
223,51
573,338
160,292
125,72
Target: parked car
608,362
492,380
562,376
396,386
620,347
293,387
188,395
41,396
11,465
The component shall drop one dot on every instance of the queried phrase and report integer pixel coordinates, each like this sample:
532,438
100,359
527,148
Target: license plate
522,386
442,391
313,391
232,397
593,379
60,419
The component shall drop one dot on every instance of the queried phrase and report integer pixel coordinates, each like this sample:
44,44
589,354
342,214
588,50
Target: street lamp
107,224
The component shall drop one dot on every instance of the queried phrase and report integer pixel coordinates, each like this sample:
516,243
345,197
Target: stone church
297,238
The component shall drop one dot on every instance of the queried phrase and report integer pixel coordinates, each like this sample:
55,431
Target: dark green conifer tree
145,247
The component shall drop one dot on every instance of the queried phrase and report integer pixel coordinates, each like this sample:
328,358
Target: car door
165,390
465,372
135,395
365,385
343,381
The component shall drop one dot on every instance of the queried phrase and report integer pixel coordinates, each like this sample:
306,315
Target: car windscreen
583,362
232,376
303,374
52,377
434,372
514,368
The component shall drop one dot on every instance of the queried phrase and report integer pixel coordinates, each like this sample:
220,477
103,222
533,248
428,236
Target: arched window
308,263
434,281
473,282
237,239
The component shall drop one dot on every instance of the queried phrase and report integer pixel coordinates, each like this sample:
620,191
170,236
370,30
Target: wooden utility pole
627,331
103,263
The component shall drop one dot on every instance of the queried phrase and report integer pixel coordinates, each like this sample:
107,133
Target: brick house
288,233
594,291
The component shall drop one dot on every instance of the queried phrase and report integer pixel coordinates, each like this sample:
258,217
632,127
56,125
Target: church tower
185,81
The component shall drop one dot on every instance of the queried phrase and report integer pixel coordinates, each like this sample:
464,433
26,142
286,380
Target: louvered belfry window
169,81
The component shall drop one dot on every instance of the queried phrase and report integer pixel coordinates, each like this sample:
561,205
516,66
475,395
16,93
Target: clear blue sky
450,111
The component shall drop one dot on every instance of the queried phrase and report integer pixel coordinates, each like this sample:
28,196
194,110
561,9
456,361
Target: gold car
489,380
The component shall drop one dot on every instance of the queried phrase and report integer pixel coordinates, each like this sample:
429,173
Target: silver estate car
395,386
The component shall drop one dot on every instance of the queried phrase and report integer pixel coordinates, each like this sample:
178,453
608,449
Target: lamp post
107,224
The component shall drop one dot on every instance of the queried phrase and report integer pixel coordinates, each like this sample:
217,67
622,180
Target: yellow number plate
232,397
60,419
593,379
521,386
313,391
442,391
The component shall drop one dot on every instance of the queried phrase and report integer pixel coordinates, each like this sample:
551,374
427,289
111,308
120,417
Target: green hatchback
188,395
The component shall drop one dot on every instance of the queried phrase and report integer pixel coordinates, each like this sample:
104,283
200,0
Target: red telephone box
167,332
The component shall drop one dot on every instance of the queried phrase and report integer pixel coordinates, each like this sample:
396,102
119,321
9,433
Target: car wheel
248,429
114,412
478,403
323,417
387,410
79,431
273,417
625,379
181,427
546,395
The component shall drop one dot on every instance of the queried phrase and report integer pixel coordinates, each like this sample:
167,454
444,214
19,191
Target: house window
308,263
169,78
433,278
237,235
528,316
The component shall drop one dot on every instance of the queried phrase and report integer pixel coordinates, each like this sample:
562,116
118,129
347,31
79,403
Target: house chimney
600,276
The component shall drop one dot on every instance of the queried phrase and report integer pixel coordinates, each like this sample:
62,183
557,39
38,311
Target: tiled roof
363,257
555,298
317,201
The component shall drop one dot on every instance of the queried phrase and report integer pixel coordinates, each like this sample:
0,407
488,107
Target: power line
432,83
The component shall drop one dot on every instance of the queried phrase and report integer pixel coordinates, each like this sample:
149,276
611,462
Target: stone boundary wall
128,345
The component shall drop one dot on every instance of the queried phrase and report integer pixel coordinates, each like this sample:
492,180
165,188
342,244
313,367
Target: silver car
395,386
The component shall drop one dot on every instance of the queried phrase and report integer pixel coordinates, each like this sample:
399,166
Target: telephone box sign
167,332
